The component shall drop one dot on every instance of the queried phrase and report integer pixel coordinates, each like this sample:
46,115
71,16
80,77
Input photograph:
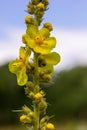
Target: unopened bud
40,6
38,96
44,119
46,2
30,8
23,118
30,85
37,88
48,26
42,106
31,114
50,126
28,19
24,38
31,95
47,77
35,2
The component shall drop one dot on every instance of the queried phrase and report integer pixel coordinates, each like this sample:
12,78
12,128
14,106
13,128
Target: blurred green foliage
66,97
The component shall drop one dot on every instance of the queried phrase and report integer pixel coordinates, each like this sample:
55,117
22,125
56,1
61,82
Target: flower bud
42,92
25,119
31,114
35,2
44,128
31,95
50,126
30,8
30,85
42,106
46,2
24,38
27,91
37,88
48,26
40,6
38,96
44,120
47,77
28,19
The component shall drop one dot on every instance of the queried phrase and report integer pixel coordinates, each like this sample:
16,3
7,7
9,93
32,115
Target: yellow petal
52,58
50,42
44,32
22,76
15,66
22,53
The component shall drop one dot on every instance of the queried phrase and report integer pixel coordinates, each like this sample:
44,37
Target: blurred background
67,97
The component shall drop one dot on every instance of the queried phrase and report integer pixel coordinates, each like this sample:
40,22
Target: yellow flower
39,40
18,66
50,126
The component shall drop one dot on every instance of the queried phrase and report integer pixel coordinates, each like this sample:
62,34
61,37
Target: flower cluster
36,40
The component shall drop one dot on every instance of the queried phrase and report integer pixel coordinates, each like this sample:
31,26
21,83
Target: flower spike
32,73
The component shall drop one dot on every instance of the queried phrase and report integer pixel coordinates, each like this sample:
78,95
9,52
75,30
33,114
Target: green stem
36,75
36,112
36,82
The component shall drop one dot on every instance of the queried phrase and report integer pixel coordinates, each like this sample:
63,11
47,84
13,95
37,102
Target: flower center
39,40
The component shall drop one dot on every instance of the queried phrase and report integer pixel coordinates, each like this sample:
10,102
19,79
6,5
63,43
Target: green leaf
52,58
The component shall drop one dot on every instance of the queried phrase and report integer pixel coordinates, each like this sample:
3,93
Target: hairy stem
36,75
36,82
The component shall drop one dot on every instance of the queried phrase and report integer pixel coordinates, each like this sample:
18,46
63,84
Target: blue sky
69,18
65,13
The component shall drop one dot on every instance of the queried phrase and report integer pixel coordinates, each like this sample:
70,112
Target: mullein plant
37,41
